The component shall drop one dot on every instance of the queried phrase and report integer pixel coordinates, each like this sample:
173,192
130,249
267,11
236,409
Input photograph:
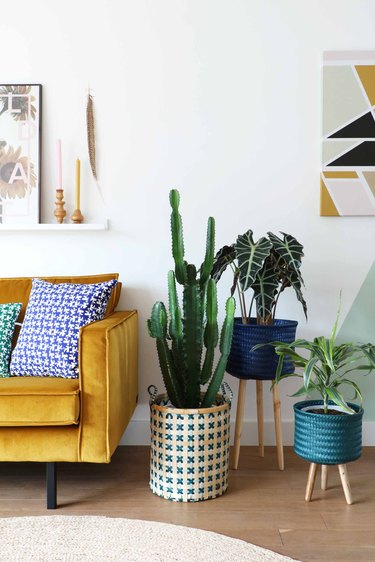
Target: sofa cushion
29,401
17,289
8,316
48,341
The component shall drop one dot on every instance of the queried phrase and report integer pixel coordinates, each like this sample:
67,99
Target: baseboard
138,433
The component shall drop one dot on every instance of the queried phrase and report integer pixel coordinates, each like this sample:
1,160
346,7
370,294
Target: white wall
221,99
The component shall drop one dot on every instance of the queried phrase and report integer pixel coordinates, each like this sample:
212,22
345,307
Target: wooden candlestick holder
60,212
77,217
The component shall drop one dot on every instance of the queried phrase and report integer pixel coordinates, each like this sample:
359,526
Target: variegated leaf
251,257
265,289
289,249
224,257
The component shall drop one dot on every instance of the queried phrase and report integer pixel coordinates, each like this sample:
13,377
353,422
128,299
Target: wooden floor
262,505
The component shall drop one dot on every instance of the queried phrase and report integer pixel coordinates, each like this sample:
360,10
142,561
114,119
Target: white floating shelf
55,226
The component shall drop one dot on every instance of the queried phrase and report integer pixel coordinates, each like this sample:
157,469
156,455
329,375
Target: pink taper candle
59,166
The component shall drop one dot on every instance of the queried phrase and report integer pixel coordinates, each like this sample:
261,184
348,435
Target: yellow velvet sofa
48,419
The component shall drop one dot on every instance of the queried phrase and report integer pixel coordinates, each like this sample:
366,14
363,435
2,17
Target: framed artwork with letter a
20,142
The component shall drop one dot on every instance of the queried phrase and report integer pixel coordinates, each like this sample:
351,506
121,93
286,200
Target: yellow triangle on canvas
340,175
366,74
327,206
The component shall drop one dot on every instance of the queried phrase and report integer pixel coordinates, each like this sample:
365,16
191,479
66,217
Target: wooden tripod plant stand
324,481
239,422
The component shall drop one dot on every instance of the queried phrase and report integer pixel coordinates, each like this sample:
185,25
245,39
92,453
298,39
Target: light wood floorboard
262,505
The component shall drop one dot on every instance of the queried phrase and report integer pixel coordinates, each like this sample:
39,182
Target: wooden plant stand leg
278,430
239,421
343,471
311,481
259,385
324,477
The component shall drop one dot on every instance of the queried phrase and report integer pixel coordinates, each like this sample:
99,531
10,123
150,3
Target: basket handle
227,392
153,392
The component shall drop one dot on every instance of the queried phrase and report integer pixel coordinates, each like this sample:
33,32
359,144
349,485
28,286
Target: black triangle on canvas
361,155
362,128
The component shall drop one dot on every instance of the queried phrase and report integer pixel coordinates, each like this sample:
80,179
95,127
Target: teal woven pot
189,458
327,439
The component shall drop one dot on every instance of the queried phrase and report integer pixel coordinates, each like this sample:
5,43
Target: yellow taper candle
78,183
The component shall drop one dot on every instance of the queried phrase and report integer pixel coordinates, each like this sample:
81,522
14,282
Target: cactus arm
175,330
175,325
168,371
211,332
192,330
216,380
227,330
225,345
177,237
208,263
157,326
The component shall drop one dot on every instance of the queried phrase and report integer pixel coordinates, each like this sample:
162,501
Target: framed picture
20,143
347,185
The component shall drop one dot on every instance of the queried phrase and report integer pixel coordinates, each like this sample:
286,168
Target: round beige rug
75,539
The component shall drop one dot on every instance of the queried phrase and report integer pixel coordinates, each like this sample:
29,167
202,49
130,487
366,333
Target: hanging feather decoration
91,134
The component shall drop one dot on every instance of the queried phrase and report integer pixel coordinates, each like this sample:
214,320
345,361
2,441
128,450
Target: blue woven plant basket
262,363
327,439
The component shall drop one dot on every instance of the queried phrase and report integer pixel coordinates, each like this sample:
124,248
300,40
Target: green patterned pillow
8,316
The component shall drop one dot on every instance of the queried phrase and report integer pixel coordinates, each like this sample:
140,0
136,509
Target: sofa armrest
108,372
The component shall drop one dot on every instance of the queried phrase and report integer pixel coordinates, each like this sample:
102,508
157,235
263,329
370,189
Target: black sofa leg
51,486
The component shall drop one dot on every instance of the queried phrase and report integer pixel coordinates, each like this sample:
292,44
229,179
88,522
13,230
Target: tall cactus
180,343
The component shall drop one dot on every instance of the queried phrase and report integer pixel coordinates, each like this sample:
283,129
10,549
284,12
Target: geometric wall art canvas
20,139
347,185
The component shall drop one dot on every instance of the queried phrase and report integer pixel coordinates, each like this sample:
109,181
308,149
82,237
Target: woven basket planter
262,363
189,449
327,439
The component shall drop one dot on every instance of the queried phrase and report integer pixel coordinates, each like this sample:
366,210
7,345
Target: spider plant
326,368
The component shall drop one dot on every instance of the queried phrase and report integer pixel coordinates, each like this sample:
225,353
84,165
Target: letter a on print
18,173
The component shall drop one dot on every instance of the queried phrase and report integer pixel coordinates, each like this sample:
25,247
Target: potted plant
327,431
268,267
190,424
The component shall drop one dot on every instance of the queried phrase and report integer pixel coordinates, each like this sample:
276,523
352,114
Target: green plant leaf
282,348
309,370
334,329
265,289
325,351
302,391
251,257
349,383
338,399
279,368
369,351
224,257
295,282
290,250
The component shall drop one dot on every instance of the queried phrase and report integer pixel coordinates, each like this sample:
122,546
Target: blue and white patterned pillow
48,341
